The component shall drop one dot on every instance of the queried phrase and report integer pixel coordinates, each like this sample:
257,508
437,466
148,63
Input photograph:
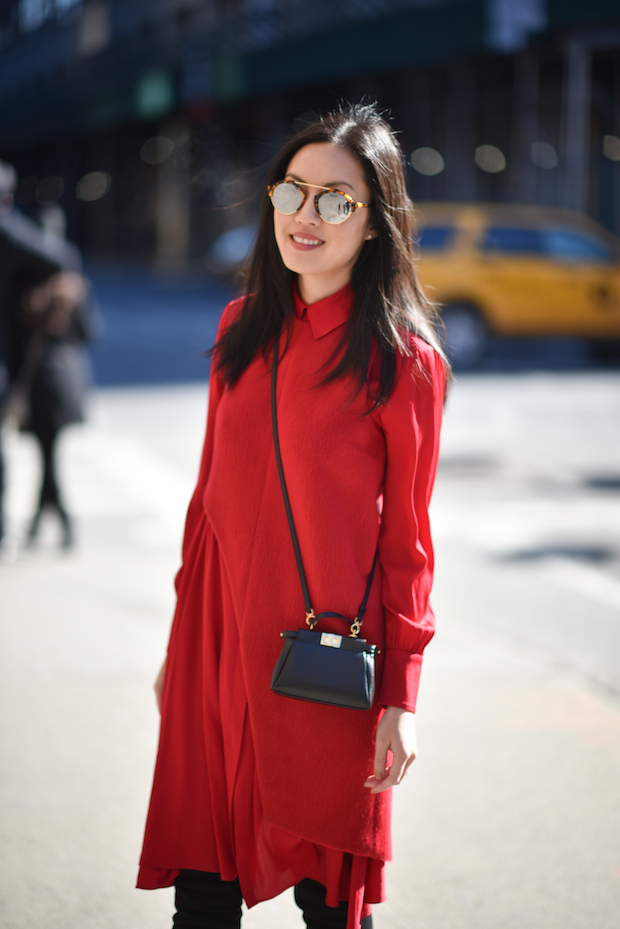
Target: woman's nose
307,212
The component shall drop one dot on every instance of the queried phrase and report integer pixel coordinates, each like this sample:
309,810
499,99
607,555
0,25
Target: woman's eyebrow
331,183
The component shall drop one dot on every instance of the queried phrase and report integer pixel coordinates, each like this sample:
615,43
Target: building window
31,14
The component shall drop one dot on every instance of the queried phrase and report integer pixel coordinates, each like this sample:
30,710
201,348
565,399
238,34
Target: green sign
154,94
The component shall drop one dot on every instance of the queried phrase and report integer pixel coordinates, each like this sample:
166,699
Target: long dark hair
388,303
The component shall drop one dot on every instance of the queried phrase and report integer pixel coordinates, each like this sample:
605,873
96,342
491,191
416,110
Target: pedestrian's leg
50,492
2,479
67,525
43,490
49,485
204,901
310,898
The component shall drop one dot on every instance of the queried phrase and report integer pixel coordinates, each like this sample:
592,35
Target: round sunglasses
334,206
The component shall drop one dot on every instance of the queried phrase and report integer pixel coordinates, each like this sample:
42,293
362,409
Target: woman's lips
305,243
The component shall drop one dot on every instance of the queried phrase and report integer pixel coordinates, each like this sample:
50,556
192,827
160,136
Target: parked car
515,270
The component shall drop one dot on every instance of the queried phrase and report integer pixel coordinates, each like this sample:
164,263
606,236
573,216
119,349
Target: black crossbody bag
321,666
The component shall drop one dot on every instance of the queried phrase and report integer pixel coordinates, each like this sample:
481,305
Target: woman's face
320,253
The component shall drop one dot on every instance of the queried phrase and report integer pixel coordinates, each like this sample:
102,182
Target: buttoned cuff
401,679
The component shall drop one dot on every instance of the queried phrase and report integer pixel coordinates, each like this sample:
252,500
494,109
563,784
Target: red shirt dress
248,783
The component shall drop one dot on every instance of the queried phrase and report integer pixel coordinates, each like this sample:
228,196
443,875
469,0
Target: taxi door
590,268
521,289
550,281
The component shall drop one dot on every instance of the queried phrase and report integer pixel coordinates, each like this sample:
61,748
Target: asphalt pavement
510,817
155,329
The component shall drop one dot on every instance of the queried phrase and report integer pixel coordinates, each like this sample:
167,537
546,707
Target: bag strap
311,618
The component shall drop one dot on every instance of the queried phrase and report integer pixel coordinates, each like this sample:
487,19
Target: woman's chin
302,263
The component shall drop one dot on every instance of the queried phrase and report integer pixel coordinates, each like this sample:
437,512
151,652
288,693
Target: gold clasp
311,619
355,629
331,639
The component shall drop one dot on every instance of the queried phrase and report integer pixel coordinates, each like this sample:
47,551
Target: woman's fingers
391,776
381,755
396,733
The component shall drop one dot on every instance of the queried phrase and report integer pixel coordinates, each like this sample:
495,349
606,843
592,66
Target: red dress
248,783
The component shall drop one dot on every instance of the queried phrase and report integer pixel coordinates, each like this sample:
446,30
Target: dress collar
327,314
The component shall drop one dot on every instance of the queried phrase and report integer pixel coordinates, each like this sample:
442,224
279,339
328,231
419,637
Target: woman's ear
371,234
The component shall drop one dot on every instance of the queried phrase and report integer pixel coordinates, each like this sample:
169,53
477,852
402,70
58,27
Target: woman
255,792
55,376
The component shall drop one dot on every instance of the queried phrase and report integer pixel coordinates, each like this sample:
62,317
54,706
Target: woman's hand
158,686
396,732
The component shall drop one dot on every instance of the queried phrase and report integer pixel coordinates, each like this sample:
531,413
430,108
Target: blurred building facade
148,121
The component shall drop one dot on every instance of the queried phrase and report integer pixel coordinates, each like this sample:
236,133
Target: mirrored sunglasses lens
334,207
287,198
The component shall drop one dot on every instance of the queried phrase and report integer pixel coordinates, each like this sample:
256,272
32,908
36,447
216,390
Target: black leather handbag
321,667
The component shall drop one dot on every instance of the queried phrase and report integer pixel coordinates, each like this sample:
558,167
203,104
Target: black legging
204,901
49,494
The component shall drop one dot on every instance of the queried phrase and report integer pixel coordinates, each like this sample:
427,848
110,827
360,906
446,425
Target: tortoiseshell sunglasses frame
354,204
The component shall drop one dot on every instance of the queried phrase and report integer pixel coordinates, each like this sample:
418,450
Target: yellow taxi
516,270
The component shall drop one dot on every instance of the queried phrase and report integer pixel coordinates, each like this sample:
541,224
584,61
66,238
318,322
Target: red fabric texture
246,782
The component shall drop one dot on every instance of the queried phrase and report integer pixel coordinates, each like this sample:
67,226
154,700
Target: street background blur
149,124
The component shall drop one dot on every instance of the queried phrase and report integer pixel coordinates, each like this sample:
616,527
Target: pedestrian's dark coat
62,377
27,257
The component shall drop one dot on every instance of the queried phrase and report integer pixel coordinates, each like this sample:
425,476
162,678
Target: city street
473,149
511,815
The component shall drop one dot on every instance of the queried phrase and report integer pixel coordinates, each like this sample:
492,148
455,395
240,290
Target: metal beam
576,125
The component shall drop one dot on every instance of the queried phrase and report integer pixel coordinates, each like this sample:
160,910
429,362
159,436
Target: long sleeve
411,422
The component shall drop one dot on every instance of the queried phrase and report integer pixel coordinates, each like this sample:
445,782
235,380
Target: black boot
68,538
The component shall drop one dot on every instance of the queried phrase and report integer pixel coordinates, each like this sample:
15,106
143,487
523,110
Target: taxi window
435,237
513,239
561,243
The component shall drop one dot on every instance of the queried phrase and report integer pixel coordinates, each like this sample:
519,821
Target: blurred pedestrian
55,375
253,791
27,257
